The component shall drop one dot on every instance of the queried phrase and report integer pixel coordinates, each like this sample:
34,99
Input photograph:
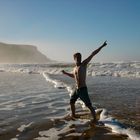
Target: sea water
33,95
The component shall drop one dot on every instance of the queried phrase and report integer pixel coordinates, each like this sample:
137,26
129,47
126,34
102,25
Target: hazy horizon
61,28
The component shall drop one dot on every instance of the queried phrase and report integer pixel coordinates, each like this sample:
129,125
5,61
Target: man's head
77,57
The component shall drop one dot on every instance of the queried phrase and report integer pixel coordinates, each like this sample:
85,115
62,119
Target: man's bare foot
74,117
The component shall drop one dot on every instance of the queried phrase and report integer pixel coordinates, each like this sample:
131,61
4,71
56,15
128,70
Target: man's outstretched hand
104,44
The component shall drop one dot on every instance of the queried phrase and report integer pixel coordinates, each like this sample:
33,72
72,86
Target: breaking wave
116,69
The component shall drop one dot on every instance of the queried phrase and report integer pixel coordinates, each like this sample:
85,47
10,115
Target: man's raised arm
87,60
68,74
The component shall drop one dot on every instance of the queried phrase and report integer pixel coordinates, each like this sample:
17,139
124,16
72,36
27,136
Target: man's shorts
81,93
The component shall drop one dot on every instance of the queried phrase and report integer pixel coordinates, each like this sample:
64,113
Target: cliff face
14,53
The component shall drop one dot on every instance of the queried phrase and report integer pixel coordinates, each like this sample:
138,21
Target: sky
60,28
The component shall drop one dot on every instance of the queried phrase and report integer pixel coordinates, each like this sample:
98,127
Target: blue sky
62,27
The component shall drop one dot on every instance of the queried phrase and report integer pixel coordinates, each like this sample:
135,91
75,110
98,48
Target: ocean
34,102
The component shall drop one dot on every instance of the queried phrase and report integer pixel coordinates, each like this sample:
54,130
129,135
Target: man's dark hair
77,55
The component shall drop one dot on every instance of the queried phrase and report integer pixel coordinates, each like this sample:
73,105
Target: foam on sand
81,128
117,127
23,127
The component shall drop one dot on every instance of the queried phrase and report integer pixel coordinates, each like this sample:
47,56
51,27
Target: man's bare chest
79,70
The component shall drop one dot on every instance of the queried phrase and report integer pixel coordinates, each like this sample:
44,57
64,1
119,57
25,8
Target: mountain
15,53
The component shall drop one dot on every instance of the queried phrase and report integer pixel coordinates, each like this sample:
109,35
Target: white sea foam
55,133
117,127
52,133
57,83
23,127
14,139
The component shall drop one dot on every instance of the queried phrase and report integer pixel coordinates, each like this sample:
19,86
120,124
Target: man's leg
73,99
85,98
72,105
92,112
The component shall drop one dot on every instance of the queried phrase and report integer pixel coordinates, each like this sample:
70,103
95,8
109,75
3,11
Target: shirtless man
79,74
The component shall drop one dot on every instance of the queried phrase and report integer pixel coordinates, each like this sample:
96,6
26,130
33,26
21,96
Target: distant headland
17,53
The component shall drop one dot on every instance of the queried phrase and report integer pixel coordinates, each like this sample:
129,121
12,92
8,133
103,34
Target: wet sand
65,128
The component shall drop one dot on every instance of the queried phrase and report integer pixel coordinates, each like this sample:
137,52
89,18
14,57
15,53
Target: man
79,74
